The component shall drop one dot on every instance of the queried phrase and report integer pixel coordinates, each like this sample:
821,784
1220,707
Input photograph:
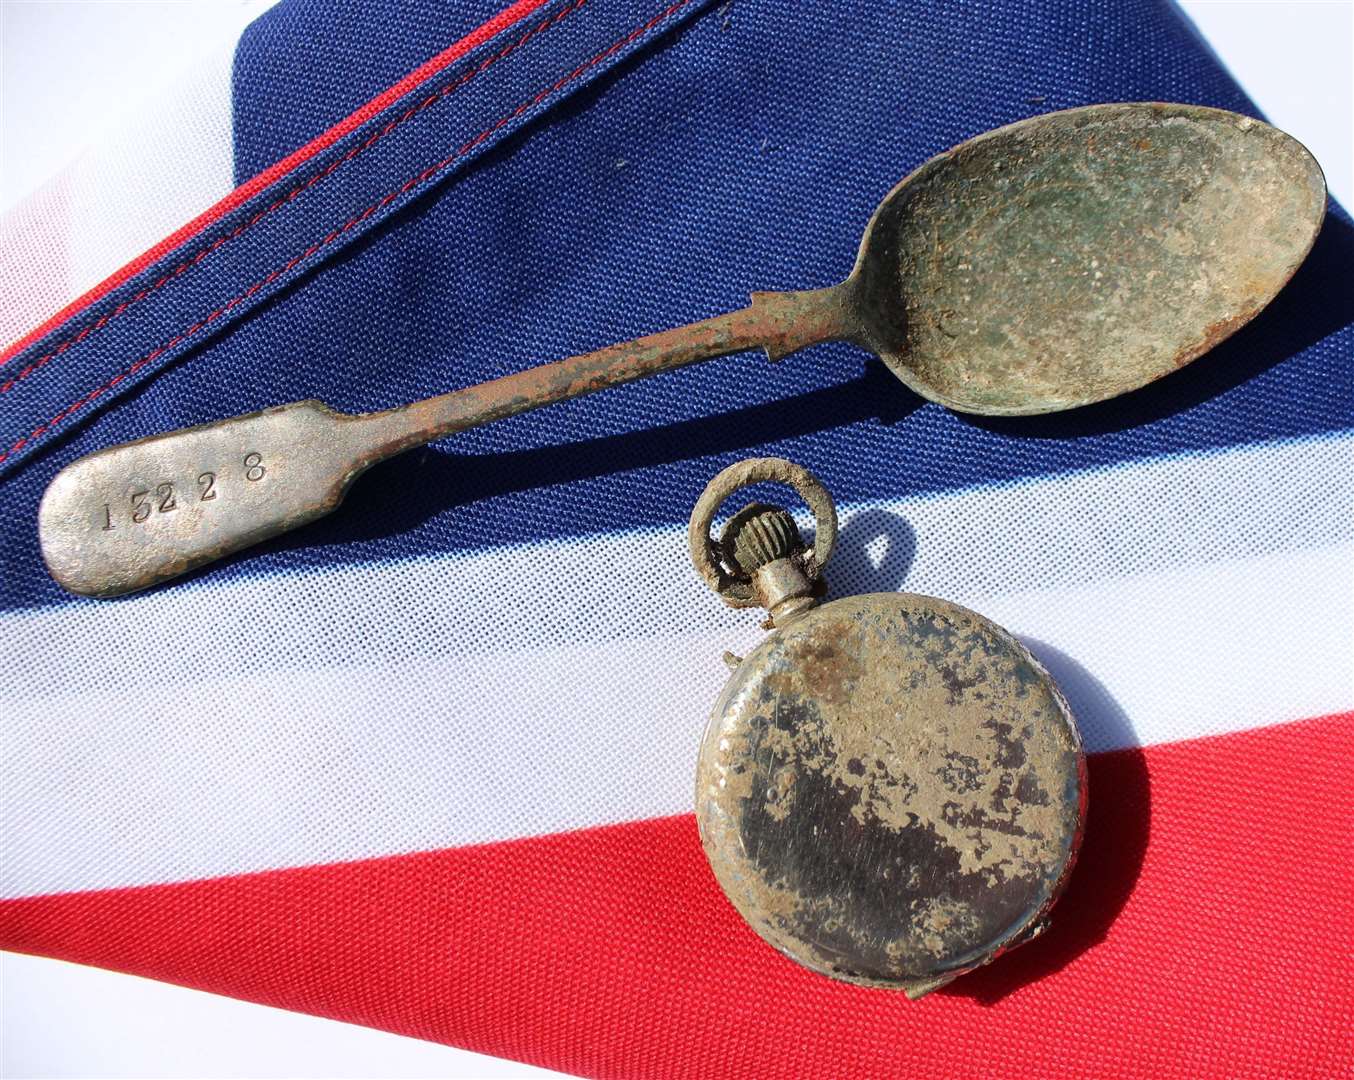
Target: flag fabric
428,764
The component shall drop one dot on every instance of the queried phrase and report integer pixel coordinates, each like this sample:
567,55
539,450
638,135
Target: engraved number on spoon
163,499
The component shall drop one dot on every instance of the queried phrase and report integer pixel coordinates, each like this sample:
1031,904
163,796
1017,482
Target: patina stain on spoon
1045,265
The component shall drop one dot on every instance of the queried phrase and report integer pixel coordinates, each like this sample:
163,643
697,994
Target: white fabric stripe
144,160
233,728
294,768
173,162
1050,534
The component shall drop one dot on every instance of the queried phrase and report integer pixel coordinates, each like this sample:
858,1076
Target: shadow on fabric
875,549
431,481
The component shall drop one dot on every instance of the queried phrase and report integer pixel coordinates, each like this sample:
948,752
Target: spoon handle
134,515
778,322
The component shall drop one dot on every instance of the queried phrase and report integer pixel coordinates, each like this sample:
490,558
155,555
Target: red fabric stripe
507,17
1205,933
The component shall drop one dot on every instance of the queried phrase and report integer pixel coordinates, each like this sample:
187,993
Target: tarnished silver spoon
1045,265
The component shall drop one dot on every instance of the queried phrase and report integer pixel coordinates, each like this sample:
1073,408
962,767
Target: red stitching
408,185
328,171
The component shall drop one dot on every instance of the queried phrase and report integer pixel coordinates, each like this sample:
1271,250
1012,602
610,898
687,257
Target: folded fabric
427,765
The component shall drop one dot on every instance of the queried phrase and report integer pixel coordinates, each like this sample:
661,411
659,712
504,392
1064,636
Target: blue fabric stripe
365,192
354,53
746,153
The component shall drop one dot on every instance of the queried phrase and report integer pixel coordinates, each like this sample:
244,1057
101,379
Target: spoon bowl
1078,255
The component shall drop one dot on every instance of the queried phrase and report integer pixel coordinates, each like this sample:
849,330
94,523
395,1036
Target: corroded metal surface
1079,255
1047,264
891,791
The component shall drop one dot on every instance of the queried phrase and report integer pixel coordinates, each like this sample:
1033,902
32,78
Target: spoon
1041,266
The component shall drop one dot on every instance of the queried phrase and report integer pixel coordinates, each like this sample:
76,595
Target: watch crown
763,543
762,534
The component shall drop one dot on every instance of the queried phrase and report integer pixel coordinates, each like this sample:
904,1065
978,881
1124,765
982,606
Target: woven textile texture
427,764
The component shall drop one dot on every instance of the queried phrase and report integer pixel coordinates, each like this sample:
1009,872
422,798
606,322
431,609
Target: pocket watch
890,789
